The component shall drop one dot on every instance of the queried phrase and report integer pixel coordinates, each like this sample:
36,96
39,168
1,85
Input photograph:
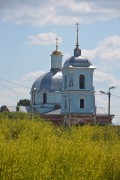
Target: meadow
37,150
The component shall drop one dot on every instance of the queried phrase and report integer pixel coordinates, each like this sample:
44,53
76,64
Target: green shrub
34,149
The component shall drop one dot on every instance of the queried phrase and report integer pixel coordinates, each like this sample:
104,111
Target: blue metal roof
49,81
79,61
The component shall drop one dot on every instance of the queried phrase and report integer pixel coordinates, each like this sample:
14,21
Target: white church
67,90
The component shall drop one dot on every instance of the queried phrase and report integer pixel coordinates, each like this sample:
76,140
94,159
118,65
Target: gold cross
56,43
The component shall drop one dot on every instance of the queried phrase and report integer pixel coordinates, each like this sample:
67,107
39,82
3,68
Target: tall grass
33,150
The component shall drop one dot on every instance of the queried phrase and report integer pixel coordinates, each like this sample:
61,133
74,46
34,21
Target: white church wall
56,61
74,74
53,100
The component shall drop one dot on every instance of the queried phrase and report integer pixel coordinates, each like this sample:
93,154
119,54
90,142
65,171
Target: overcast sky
27,38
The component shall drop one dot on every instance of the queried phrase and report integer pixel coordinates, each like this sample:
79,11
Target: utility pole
109,96
32,100
69,112
94,116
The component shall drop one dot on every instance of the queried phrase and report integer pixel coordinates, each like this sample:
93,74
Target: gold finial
56,43
77,45
56,52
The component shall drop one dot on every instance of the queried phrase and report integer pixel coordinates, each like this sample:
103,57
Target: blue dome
79,61
49,81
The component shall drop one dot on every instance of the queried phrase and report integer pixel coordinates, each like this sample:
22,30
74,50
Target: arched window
82,82
65,85
44,98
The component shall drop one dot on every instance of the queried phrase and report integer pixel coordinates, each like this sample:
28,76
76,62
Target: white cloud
30,77
101,100
26,14
10,93
106,78
75,6
108,49
107,54
66,56
62,12
13,94
106,57
44,38
102,81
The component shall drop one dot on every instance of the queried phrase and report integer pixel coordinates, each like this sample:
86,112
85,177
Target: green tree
23,102
2,108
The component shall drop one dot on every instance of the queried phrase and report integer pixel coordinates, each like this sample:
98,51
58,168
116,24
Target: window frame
82,81
65,105
44,98
82,103
65,82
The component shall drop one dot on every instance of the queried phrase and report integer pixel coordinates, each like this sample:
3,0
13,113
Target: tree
23,102
2,108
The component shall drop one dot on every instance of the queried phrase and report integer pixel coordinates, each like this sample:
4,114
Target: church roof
99,111
79,61
56,52
49,81
24,109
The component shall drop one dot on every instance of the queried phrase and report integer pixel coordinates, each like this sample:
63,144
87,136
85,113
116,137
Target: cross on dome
56,43
77,50
77,44
56,52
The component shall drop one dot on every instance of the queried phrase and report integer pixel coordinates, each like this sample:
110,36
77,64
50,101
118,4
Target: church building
67,92
47,88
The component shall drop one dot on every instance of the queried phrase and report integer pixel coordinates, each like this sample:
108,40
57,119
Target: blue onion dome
49,81
79,61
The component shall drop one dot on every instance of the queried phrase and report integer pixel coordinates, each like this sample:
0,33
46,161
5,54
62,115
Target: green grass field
34,149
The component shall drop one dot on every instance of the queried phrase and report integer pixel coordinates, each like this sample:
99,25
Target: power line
14,83
10,89
111,95
7,87
115,96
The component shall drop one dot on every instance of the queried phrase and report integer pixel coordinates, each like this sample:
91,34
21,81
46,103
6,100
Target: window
65,85
44,98
81,103
82,82
70,78
70,83
65,103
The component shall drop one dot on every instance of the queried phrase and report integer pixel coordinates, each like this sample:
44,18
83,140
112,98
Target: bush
34,149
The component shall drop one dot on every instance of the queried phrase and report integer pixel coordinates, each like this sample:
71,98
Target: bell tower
78,91
56,59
